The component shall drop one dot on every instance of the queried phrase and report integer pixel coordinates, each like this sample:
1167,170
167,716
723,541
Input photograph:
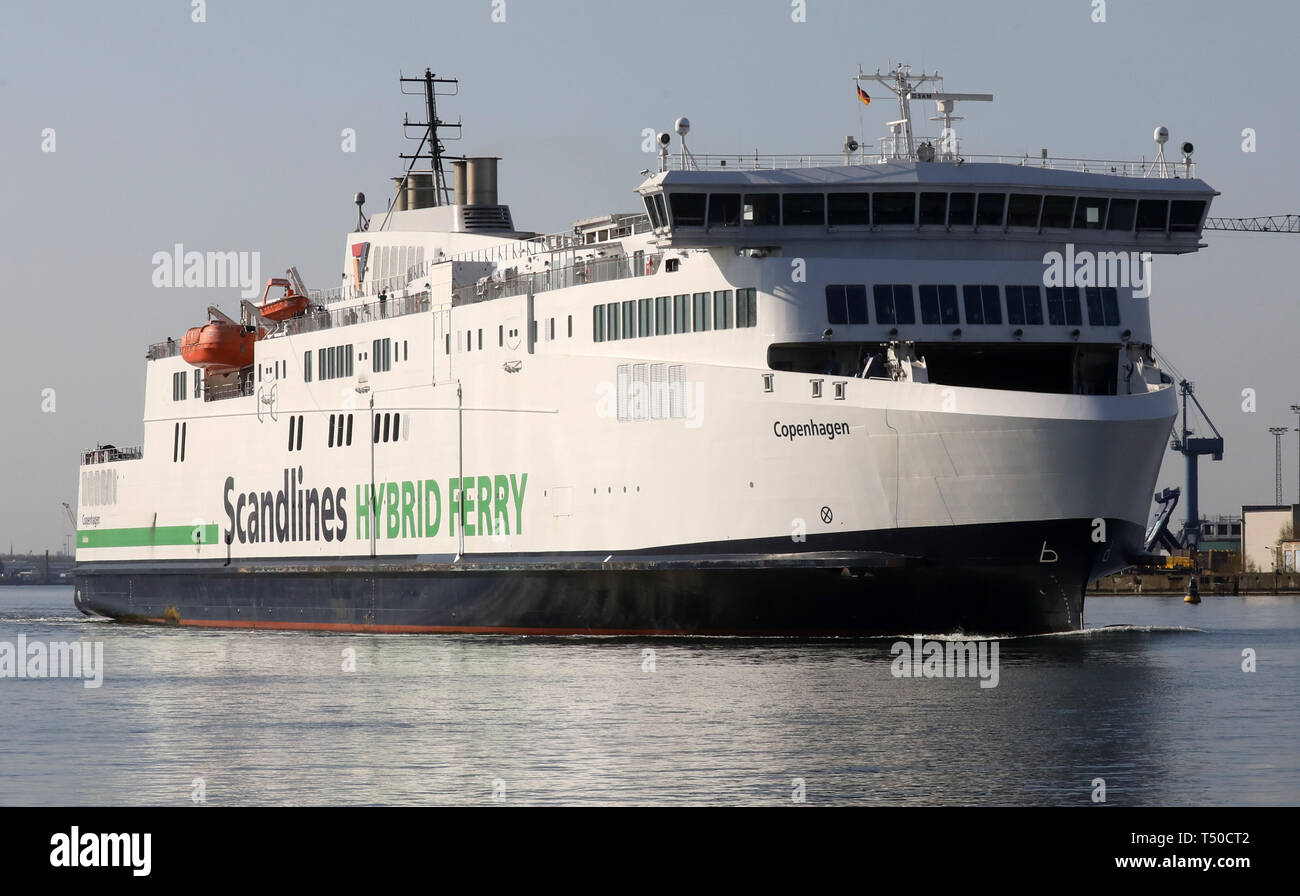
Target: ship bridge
1101,203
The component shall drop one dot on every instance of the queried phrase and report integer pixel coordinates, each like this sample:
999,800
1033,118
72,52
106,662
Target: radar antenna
436,152
901,82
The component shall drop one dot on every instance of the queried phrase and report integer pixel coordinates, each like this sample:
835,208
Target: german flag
862,95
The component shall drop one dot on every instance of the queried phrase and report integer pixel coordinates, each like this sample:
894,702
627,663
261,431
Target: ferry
883,390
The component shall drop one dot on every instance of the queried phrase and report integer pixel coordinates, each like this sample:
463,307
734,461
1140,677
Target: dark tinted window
1089,213
804,209
1058,211
934,209
653,212
1121,214
893,209
724,209
762,210
939,304
1022,210
849,209
989,210
894,304
1151,214
982,305
688,209
1024,305
961,209
846,304
1185,215
1063,306
1103,306
661,209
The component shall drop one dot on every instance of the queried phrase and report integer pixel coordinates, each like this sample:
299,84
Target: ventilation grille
486,217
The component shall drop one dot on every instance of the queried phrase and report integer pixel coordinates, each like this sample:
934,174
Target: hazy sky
226,135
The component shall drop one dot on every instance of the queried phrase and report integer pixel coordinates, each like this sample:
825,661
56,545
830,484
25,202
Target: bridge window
988,213
1103,306
891,209
1089,213
961,210
700,302
1151,215
688,209
849,209
661,209
1024,306
682,313
982,304
1185,215
722,309
746,308
1022,210
939,304
1063,306
1058,211
894,304
762,210
804,209
934,209
846,304
1121,214
724,209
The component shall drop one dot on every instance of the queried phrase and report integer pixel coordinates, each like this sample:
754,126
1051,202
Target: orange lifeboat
284,307
219,346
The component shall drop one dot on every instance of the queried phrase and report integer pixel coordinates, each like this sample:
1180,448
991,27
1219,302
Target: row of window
178,442
295,432
903,208
666,315
180,384
981,304
337,430
389,428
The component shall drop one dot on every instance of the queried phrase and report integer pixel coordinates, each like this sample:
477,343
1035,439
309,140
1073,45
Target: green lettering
519,500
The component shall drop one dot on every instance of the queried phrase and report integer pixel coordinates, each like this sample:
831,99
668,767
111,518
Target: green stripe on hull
144,537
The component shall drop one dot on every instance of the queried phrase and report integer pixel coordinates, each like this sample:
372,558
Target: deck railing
105,454
757,162
596,270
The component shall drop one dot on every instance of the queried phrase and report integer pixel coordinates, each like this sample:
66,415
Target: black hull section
996,579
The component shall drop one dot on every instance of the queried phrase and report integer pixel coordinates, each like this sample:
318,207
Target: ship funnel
482,181
459,174
420,192
399,203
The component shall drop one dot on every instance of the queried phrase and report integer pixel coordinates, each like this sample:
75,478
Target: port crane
1191,447
1267,224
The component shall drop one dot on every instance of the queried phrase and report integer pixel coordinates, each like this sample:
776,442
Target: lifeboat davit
219,346
284,307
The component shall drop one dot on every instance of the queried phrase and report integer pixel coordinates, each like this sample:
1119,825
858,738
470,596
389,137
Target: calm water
1157,706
